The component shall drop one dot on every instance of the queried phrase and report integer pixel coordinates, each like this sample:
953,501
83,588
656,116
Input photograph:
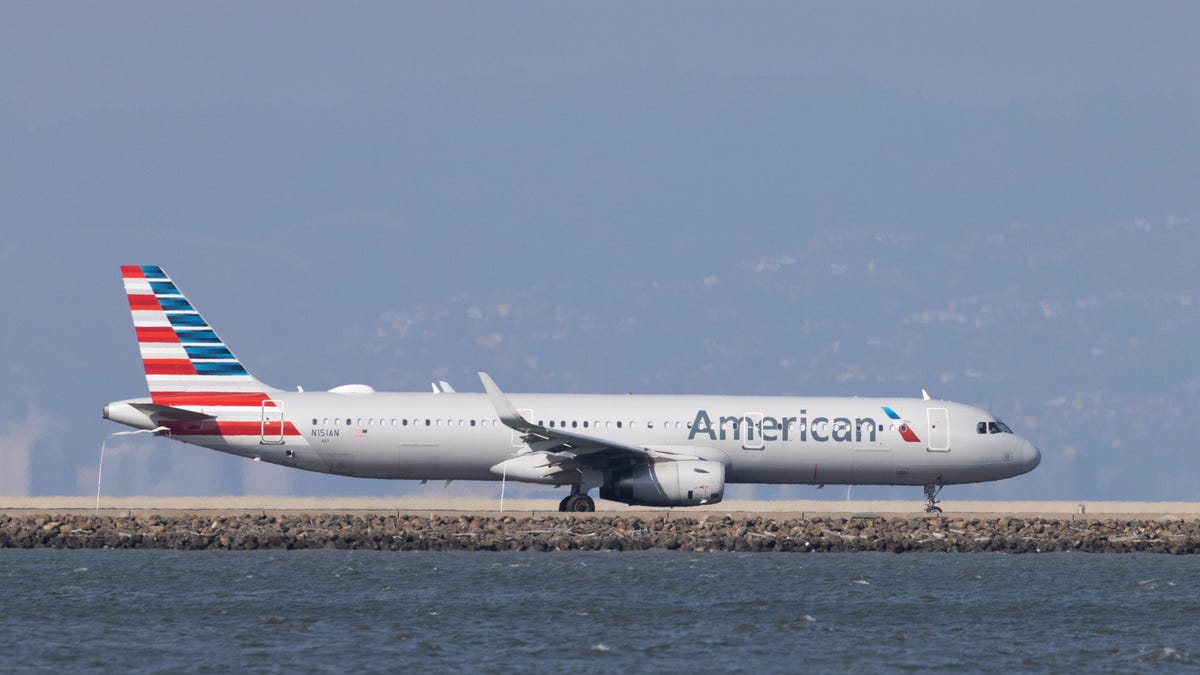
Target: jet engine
679,483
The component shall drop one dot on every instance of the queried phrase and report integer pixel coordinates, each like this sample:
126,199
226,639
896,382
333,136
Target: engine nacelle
683,483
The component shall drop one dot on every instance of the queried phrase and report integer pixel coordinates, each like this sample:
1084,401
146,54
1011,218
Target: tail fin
180,351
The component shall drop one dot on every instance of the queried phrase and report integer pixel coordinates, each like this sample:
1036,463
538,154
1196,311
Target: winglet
504,408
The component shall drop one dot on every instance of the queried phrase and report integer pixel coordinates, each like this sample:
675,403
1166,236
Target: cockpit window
981,428
993,428
1004,427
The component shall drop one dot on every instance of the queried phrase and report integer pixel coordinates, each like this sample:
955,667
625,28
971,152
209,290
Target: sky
997,204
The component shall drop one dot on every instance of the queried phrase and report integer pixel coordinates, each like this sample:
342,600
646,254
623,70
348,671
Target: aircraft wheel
562,505
580,504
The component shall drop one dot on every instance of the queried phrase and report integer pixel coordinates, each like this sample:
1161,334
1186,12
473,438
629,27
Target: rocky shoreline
554,532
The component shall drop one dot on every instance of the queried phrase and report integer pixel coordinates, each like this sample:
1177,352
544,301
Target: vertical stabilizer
182,355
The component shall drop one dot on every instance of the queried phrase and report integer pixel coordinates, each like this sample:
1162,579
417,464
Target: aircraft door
272,423
939,429
516,435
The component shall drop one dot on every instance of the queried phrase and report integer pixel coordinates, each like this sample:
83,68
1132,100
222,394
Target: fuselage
457,436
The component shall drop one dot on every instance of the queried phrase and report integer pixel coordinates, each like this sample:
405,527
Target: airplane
647,450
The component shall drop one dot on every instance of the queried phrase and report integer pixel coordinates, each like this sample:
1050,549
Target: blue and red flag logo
905,430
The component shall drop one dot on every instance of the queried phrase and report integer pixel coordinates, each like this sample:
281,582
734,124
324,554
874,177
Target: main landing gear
577,502
931,500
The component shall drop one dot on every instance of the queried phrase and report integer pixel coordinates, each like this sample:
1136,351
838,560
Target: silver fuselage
457,436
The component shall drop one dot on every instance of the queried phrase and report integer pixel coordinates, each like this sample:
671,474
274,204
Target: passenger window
585,424
314,421
551,424
618,424
574,424
472,422
348,422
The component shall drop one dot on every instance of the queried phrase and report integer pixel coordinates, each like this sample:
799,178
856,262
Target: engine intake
681,483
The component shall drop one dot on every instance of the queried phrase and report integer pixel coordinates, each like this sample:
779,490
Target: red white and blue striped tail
186,363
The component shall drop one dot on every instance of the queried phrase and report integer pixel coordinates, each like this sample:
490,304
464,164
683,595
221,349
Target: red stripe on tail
156,334
169,367
141,303
212,398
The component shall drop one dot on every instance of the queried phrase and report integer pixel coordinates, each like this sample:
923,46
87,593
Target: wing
564,449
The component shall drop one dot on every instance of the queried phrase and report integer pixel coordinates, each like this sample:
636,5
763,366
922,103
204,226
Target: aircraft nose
1030,456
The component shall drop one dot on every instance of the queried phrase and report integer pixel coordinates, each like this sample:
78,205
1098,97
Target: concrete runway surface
528,507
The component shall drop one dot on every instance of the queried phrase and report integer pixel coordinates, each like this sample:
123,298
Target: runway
1073,510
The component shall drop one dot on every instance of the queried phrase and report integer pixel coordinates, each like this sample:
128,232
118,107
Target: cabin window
551,423
472,422
574,424
618,424
348,421
314,421
585,424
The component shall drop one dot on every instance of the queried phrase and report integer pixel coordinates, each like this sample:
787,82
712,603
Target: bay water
649,611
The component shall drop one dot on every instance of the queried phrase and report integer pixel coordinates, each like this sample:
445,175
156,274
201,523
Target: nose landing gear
931,500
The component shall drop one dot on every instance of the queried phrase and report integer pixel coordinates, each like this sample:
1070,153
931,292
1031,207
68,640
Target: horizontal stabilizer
169,413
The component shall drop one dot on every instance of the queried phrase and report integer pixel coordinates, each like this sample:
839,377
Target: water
652,611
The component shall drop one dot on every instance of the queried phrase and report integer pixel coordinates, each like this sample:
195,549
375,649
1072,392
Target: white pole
100,470
503,480
100,473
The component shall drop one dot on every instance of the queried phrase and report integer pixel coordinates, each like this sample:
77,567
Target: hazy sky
997,203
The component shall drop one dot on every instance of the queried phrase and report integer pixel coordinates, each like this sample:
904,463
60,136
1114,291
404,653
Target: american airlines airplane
642,450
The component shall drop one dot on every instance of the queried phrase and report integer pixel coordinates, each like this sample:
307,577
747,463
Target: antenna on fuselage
924,394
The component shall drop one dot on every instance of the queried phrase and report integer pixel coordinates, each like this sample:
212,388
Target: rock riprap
399,532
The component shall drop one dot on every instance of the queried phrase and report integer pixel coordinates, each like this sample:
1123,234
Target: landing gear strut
931,500
577,502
